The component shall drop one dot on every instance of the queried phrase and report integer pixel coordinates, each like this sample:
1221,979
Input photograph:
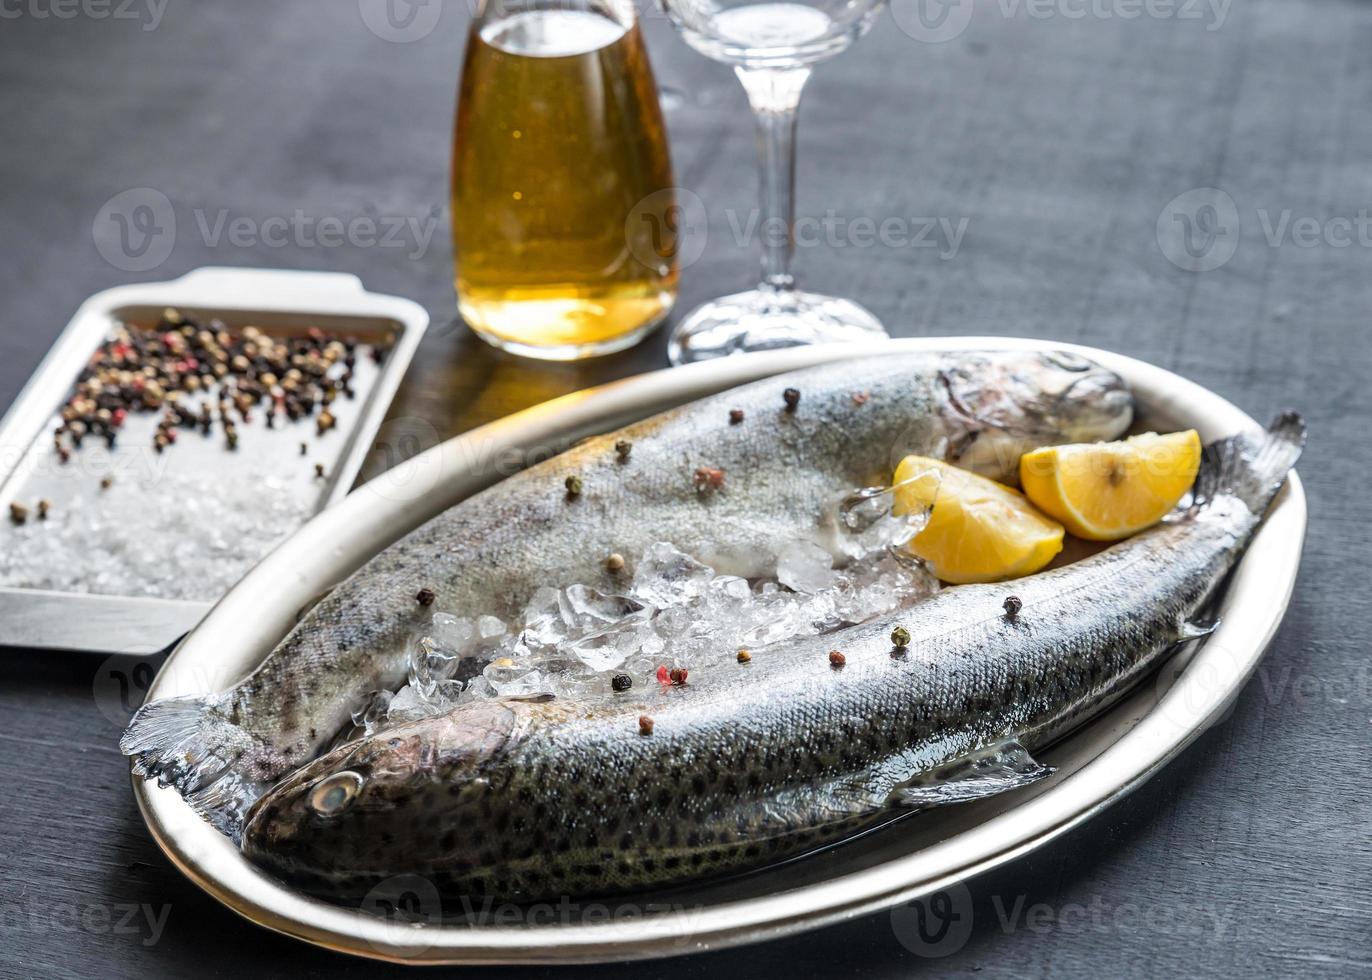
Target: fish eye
333,794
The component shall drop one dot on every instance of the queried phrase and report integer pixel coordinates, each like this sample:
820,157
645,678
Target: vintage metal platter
897,863
119,617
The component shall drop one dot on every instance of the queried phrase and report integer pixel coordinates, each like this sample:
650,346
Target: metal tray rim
377,512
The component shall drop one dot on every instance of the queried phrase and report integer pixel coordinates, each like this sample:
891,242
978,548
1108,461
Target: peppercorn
900,637
18,512
574,486
645,725
1012,606
677,676
792,398
106,482
304,448
837,660
425,597
744,657
43,507
735,416
623,448
708,478
621,682
319,471
614,564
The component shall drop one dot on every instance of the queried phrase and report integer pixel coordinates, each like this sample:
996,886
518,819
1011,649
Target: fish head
357,815
1001,405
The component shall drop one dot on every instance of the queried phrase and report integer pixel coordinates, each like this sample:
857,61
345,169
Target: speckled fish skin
784,471
533,800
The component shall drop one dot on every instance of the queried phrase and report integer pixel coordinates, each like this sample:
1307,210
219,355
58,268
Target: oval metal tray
903,861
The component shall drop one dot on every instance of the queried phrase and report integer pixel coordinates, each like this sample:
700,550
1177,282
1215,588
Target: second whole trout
774,476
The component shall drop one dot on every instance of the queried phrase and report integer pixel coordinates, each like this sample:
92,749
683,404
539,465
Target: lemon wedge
979,530
1109,490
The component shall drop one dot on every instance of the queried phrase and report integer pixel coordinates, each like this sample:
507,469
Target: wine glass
772,46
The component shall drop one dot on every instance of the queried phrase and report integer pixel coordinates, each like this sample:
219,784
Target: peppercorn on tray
174,435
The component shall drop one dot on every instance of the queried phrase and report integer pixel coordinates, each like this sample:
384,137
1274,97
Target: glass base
765,319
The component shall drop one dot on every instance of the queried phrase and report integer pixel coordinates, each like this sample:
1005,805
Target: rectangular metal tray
279,302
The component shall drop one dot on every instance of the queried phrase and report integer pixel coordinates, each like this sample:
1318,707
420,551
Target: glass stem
774,94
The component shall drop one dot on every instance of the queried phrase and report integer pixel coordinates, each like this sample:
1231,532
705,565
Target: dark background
1060,139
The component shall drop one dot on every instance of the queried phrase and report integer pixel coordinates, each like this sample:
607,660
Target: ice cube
732,588
454,634
542,617
374,712
605,648
407,705
489,627
583,608
665,576
478,689
804,566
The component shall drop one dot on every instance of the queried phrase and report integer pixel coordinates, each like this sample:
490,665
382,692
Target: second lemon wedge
979,530
1109,490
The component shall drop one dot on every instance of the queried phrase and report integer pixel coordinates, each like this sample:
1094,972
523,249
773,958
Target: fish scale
784,471
569,799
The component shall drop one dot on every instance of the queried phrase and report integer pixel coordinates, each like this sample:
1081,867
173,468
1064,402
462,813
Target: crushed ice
675,611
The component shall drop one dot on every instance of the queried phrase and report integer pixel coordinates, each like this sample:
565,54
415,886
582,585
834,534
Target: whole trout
726,490
532,800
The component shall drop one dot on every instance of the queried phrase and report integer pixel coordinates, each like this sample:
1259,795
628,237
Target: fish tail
191,744
1251,466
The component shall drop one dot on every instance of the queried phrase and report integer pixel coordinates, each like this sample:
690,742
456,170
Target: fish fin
190,744
985,773
1192,630
1250,466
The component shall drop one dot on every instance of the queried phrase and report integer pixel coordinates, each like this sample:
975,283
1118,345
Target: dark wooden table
1061,140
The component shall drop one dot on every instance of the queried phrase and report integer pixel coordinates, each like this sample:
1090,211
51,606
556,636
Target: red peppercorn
837,660
678,676
663,675
709,478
